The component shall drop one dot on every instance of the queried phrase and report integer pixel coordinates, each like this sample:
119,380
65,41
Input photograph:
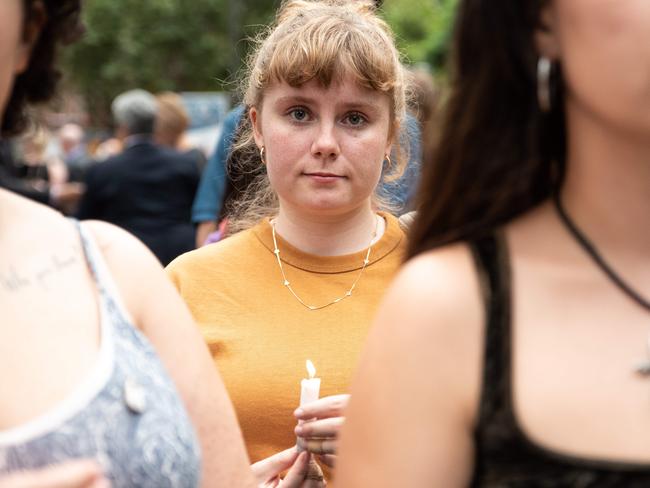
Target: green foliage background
423,28
199,45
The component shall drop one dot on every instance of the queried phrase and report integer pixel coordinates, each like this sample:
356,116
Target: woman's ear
35,19
256,123
389,149
392,134
546,34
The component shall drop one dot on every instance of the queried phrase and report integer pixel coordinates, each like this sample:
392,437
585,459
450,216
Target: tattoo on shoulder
42,274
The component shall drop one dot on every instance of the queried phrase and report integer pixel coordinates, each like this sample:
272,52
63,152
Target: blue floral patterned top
126,413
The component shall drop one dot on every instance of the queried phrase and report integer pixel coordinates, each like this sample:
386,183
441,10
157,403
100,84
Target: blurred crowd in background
57,164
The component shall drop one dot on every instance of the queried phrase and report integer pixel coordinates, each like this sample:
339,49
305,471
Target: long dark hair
39,81
497,155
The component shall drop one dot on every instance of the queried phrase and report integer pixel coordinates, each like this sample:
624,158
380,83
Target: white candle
309,387
309,391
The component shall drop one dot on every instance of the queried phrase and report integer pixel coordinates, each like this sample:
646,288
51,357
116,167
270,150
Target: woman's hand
322,421
303,472
73,474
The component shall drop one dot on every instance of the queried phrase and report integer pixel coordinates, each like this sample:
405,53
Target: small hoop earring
544,68
263,155
387,158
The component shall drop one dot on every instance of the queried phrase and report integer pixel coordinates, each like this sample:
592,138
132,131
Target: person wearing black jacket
147,189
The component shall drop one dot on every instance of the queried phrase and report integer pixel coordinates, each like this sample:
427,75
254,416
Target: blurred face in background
14,51
604,50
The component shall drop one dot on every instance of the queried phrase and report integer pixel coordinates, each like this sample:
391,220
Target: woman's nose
325,144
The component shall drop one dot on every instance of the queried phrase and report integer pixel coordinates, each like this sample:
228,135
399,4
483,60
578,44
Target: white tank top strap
106,286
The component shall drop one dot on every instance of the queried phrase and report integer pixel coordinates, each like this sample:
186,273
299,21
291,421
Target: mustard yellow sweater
260,335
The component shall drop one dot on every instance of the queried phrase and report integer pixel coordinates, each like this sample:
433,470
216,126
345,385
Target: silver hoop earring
544,67
387,158
263,155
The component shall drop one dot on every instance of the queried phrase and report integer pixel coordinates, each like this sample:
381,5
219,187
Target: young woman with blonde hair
326,98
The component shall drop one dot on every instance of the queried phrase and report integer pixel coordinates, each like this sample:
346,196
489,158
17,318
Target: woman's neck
332,235
607,186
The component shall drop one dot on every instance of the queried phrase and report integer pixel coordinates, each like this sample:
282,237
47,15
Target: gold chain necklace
347,294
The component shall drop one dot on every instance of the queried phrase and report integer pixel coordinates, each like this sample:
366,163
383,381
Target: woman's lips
324,177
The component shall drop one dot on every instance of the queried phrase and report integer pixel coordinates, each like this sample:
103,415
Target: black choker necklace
644,367
591,250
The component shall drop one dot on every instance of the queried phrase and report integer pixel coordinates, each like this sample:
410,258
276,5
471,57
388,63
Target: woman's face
14,53
604,49
324,147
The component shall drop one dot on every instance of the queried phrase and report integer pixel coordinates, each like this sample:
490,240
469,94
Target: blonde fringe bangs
325,52
329,43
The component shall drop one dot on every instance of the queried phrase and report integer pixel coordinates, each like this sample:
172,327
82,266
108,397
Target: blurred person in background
27,170
208,209
34,166
99,356
147,189
423,104
172,121
72,144
513,348
106,148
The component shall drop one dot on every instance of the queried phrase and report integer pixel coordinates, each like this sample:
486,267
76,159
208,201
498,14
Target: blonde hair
172,119
323,40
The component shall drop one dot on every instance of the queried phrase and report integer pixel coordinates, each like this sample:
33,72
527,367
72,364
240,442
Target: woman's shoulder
34,228
433,314
43,224
21,210
442,278
436,298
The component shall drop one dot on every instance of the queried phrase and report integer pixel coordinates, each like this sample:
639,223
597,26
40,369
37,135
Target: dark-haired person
99,358
512,350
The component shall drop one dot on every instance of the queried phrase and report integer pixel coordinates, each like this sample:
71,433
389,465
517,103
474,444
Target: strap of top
491,259
106,286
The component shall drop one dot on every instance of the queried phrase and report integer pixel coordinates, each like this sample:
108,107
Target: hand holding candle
319,423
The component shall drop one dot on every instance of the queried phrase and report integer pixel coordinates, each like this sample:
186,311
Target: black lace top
504,456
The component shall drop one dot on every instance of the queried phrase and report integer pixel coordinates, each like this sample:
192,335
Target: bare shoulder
439,289
433,314
36,229
425,349
25,213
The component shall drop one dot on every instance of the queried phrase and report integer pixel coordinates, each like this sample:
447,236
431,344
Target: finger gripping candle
309,392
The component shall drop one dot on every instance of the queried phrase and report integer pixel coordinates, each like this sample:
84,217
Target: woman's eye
298,114
355,119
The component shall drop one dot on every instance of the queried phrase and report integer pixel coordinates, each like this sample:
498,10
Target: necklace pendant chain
286,283
643,368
